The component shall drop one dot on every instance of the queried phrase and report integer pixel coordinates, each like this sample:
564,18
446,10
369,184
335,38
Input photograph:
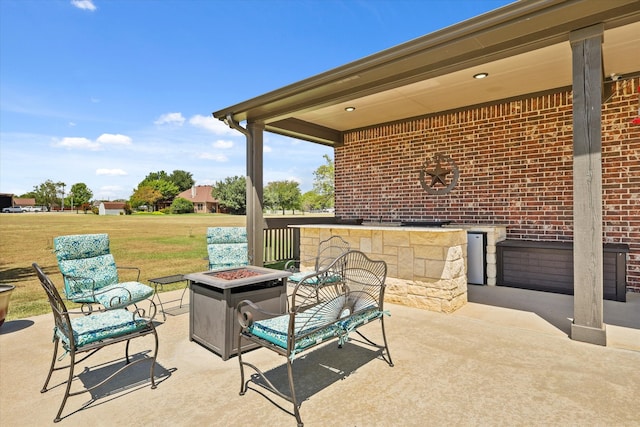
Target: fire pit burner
241,273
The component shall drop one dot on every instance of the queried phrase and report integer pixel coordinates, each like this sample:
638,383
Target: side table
165,280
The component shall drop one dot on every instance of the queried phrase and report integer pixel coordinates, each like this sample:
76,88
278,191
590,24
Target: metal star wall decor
439,175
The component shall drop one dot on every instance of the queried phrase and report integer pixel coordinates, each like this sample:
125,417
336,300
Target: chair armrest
130,268
245,312
148,314
292,265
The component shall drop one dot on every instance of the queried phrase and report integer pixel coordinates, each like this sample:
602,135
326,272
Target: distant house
23,202
200,196
111,208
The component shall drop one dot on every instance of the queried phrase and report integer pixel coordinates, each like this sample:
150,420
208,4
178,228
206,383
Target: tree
145,195
79,194
181,205
311,201
323,183
167,188
182,179
155,176
232,194
46,194
282,194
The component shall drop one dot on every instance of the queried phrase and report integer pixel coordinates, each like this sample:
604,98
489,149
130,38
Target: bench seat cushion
100,326
274,330
314,280
312,326
358,319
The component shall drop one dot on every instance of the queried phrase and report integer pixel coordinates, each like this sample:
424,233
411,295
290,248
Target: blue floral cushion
311,326
81,276
297,278
224,255
87,266
101,325
80,246
226,235
122,294
358,319
227,247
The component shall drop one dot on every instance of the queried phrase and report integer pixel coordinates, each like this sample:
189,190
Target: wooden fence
281,242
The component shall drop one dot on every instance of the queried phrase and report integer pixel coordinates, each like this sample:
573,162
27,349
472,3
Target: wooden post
586,46
255,220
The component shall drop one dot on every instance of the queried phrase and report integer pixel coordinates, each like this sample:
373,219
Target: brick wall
515,163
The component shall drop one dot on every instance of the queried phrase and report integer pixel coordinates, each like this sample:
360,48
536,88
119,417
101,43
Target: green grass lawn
160,245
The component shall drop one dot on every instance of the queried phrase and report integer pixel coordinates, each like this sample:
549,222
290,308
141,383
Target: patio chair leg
296,409
384,338
153,362
243,386
53,364
72,365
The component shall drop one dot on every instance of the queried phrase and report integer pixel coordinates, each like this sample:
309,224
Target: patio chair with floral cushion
79,332
227,247
91,275
328,251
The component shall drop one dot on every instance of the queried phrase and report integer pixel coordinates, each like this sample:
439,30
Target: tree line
159,187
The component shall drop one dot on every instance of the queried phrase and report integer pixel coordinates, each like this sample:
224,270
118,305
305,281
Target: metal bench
326,305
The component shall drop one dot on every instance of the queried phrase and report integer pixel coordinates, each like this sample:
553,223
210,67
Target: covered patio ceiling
524,47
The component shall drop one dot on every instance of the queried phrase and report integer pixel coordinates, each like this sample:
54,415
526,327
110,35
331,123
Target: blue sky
104,92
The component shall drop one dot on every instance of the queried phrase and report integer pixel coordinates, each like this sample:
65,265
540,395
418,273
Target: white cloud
115,139
84,4
176,119
223,144
111,172
266,149
81,143
213,156
212,125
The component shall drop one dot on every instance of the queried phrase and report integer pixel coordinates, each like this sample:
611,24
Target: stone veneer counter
426,267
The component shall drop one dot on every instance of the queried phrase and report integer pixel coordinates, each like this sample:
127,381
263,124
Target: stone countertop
379,227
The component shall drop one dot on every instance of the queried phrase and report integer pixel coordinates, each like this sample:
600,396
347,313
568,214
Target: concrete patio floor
503,359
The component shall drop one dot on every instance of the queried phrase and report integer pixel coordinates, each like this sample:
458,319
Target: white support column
586,46
255,220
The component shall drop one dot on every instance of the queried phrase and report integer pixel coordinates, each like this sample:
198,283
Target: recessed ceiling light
480,75
350,109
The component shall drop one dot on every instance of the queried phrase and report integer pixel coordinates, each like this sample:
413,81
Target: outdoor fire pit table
215,296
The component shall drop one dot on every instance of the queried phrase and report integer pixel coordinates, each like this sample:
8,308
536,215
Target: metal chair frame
63,324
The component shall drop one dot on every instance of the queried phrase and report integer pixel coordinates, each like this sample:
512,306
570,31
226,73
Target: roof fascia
516,28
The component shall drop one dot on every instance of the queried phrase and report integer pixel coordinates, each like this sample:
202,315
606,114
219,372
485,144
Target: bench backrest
85,262
329,250
227,247
352,284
